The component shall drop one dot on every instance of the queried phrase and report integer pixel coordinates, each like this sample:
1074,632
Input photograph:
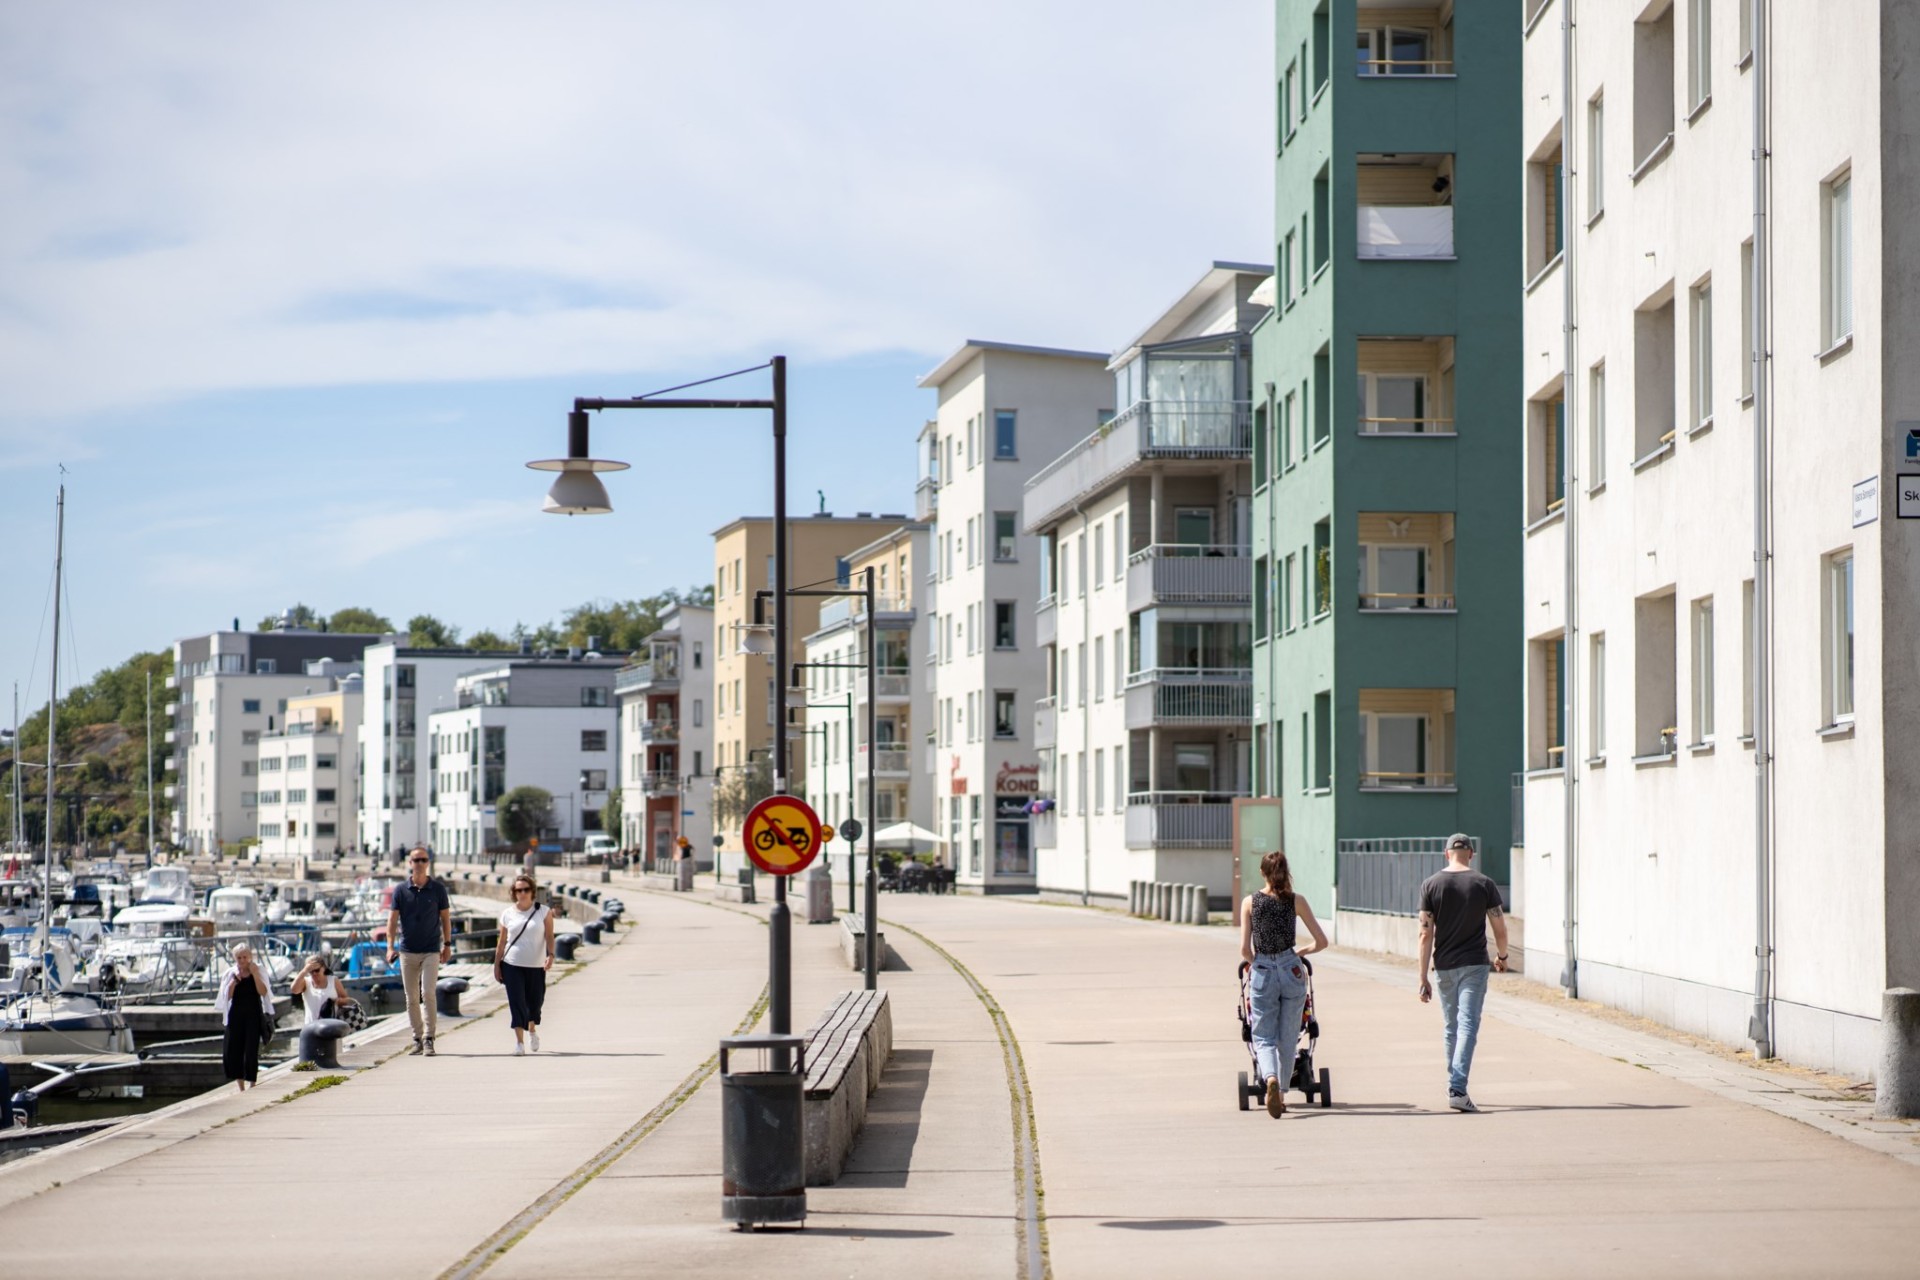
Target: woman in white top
522,954
319,986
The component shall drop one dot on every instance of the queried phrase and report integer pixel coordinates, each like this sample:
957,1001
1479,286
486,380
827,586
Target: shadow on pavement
883,1154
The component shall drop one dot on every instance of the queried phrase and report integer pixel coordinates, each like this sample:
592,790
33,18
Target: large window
1596,426
1003,536
1597,696
1836,285
1596,167
1837,651
1405,560
1702,670
1414,44
593,739
1699,53
1655,703
1700,379
1652,87
1653,380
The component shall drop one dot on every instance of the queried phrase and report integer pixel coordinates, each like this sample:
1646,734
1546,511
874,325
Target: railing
1383,877
888,758
1173,695
1046,831
1519,817
1385,780
662,730
1145,429
1406,66
1180,819
1406,231
1189,573
1046,728
896,682
1407,427
660,782
1046,622
1405,601
926,498
645,673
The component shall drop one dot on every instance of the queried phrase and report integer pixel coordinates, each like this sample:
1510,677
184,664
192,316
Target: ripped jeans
1278,987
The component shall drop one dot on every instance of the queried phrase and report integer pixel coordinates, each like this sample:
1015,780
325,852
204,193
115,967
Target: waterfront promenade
1600,1149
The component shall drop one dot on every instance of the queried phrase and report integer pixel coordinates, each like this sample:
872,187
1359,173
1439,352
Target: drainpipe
1086,722
1760,1026
1570,666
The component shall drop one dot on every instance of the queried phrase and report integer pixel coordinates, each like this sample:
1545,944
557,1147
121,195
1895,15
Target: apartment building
746,697
404,687
228,688
1387,562
546,722
1145,618
1716,836
308,790
835,747
1005,411
666,737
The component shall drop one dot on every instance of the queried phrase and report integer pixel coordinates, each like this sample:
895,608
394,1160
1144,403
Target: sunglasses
523,888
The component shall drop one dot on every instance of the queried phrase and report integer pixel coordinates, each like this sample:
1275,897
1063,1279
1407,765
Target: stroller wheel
1326,1087
1241,1092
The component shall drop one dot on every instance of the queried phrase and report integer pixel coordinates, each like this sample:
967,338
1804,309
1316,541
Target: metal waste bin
763,1139
684,866
819,895
746,884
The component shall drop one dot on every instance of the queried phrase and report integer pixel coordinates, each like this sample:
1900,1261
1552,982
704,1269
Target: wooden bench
853,942
847,1049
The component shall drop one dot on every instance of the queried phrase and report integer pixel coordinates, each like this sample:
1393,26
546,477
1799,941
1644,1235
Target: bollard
1150,899
1199,904
1162,900
1177,906
320,1039
1896,1091
684,871
606,923
591,932
447,995
563,945
1189,905
1133,897
819,883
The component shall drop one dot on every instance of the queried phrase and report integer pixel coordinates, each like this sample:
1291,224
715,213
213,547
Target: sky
293,292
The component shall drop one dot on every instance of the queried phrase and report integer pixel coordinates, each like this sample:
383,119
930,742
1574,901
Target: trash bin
763,1141
746,884
685,882
819,895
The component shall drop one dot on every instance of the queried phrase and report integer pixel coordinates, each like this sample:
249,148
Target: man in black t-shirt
1456,906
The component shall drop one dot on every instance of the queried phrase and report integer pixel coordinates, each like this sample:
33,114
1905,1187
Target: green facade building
1388,443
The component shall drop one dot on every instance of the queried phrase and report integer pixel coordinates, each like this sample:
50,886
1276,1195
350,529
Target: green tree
740,788
357,621
610,814
523,813
424,631
485,639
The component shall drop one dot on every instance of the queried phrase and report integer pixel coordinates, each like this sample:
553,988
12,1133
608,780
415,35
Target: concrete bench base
847,1049
733,892
853,943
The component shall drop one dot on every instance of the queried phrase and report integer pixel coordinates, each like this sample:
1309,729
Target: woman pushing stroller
1277,980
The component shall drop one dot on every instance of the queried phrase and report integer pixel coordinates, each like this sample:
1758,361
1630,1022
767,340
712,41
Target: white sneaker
533,1040
519,1049
1461,1102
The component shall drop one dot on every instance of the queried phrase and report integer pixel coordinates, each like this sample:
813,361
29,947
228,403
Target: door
1193,528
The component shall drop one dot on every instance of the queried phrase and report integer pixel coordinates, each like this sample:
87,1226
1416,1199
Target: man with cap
1456,906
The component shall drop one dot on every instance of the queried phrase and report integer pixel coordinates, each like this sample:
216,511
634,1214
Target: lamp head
577,490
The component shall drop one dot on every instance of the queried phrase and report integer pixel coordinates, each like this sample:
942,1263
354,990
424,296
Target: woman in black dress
246,1007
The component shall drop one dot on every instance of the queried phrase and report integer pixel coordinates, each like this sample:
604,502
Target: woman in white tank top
316,984
521,958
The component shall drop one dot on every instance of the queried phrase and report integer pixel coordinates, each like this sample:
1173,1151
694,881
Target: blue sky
294,292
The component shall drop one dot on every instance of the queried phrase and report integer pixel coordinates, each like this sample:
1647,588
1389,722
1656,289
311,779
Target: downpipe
1760,1025
1569,684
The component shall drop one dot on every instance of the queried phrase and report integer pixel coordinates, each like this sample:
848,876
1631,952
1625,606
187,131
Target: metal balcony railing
660,730
1388,780
1180,819
890,758
894,683
1190,574
1383,875
1189,695
1143,430
1405,601
659,782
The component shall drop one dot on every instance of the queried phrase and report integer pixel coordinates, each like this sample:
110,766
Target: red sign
782,835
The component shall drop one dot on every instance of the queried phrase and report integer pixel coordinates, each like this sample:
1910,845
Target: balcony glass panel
1405,205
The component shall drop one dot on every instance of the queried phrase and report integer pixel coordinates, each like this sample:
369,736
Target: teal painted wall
1475,299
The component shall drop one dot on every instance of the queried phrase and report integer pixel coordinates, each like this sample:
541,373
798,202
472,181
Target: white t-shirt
530,951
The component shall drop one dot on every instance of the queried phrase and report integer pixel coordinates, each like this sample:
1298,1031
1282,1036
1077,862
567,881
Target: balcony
660,731
1189,696
169,791
171,710
171,764
1046,830
1144,431
1405,205
896,685
926,498
1407,740
172,680
1406,562
892,758
1046,727
660,782
1405,386
661,673
1046,622
889,610
170,736
1180,819
1189,574
1415,42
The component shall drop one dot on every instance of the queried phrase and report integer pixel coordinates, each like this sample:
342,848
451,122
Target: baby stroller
1317,1089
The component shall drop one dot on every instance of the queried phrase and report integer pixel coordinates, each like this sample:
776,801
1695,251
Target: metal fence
1383,876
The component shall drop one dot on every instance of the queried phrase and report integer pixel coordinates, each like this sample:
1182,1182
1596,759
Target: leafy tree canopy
358,621
523,813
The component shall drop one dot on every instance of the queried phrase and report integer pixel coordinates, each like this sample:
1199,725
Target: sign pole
780,919
872,920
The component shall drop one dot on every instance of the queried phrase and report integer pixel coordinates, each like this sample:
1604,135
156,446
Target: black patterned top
1273,919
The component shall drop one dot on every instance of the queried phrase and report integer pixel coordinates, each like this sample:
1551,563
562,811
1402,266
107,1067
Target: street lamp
578,491
845,704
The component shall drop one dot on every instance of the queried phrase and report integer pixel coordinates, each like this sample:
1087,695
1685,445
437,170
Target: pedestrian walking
320,989
1277,981
1456,907
245,1005
420,935
522,955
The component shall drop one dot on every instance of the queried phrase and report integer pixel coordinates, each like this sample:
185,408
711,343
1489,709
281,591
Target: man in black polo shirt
420,926
1456,906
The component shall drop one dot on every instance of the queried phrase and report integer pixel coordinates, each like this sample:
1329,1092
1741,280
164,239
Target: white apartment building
308,788
1004,412
835,745
666,737
1715,834
228,688
1145,619
524,721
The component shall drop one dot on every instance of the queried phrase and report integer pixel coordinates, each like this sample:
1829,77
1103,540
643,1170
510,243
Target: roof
975,346
813,517
1216,277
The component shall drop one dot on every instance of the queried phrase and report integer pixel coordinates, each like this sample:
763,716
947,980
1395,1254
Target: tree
424,631
485,639
610,813
741,788
301,616
357,621
523,813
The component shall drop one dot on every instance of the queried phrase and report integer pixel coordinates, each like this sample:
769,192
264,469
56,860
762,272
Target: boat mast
53,700
19,824
149,766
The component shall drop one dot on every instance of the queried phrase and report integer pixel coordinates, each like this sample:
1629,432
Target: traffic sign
851,829
782,835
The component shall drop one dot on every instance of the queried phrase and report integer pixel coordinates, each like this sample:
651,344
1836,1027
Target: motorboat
153,920
62,1022
235,909
167,884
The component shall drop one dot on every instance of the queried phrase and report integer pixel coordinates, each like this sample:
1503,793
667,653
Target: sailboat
60,1017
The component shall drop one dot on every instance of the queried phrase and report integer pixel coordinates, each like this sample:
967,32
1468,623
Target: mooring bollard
563,946
447,994
320,1039
591,932
1896,1091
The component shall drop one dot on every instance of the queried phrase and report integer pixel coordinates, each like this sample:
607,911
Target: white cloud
268,196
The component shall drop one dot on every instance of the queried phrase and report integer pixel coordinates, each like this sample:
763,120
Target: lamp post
845,704
578,491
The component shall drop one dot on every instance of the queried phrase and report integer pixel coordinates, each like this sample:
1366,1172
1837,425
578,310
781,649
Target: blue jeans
1462,992
1278,985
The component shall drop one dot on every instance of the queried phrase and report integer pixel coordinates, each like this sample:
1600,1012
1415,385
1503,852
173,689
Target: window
1099,559
1100,780
1597,696
1003,633
325,795
1080,675
1004,438
1285,593
249,799
1322,396
1596,166
1287,459
1654,695
1099,668
1546,232
1066,777
699,654
1549,715
326,762
1286,101
297,795
1652,87
1120,547
270,764
1003,714
1699,53
1288,286
269,797
699,712
1596,426
1081,789
593,739
1322,740
1080,564
1546,461
593,779
1746,660
1700,310
1653,380
1836,285
1703,670
1394,404
973,630
973,720
268,666
1322,568
323,830
1746,321
1004,533
1322,220
249,737
250,706
594,695
1119,661
1397,51
269,830
1837,650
